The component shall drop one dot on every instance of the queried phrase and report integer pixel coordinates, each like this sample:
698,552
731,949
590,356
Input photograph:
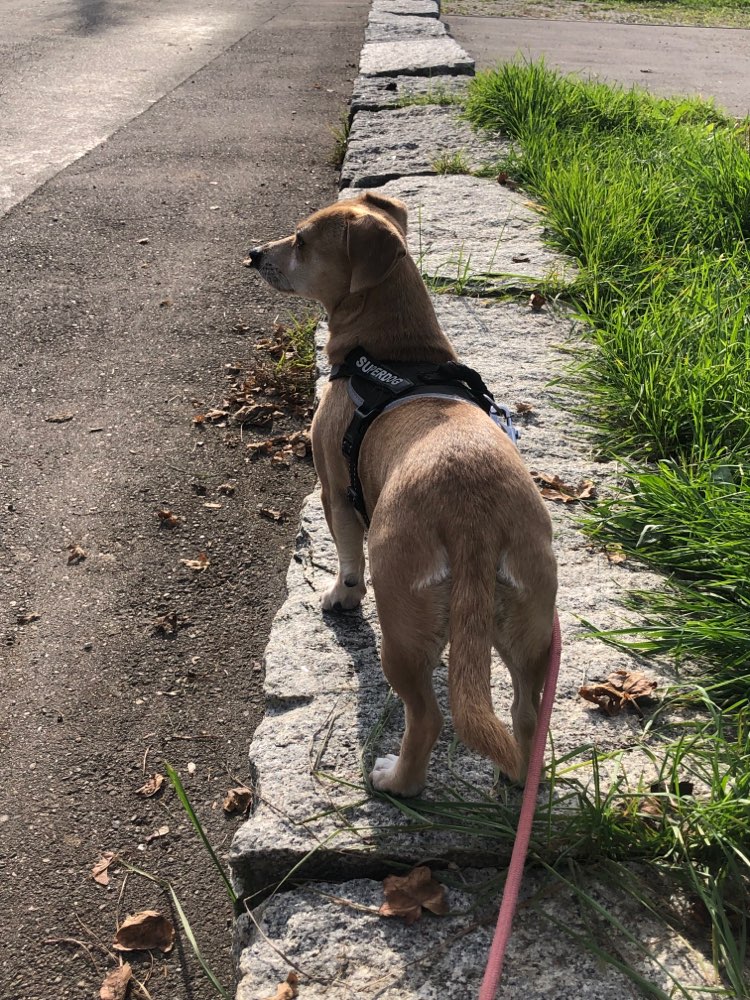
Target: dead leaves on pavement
115,986
286,990
148,930
623,687
553,488
406,895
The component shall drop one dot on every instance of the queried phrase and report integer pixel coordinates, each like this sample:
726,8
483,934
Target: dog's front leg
348,534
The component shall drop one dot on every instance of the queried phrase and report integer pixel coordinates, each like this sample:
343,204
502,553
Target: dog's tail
471,619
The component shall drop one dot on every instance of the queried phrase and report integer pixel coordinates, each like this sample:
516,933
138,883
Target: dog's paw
343,598
385,777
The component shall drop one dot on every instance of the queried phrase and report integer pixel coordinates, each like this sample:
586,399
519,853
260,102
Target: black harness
376,386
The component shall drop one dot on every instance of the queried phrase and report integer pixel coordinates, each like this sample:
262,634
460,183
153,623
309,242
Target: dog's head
341,250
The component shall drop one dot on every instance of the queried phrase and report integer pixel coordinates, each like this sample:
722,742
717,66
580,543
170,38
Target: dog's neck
394,321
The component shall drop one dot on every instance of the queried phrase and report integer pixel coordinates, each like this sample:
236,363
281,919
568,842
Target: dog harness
377,386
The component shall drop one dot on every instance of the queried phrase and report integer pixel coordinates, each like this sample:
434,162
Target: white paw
385,777
343,598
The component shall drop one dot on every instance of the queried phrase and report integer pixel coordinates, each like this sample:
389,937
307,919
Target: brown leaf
553,488
167,518
168,624
537,302
27,618
152,786
145,931
199,564
507,181
157,834
99,872
405,895
257,448
621,688
288,989
75,554
524,407
59,418
521,259
227,489
238,800
270,514
214,416
117,983
258,415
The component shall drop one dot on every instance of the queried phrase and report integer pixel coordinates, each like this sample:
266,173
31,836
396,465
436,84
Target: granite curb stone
410,8
384,145
377,93
385,27
424,57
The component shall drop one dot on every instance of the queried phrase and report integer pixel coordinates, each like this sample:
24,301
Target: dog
459,542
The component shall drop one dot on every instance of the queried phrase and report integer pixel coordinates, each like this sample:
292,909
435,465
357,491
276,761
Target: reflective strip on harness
377,386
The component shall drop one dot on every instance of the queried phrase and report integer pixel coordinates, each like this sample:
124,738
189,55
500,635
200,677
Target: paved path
74,71
713,62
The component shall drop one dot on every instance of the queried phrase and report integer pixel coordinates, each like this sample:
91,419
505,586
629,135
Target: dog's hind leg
410,651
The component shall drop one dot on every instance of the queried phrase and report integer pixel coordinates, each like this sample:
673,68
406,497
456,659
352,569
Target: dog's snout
254,257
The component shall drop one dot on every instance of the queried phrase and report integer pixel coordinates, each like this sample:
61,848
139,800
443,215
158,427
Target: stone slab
332,935
385,27
412,8
426,57
461,227
384,145
376,93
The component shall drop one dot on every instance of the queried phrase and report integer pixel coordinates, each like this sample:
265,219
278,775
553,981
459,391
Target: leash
494,967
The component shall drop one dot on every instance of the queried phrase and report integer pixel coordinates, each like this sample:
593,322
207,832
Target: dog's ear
393,207
374,247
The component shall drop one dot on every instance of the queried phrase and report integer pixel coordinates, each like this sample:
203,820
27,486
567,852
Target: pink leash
523,834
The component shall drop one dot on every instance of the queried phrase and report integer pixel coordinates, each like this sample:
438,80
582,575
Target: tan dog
459,540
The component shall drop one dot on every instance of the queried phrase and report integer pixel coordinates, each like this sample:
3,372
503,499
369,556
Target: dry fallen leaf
28,618
157,834
201,563
209,505
59,418
507,181
99,872
238,800
75,554
288,989
621,688
537,302
522,407
168,624
553,488
116,985
258,415
270,514
227,489
167,518
145,931
405,895
152,786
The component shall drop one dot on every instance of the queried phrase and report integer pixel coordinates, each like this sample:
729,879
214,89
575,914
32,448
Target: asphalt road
668,60
122,301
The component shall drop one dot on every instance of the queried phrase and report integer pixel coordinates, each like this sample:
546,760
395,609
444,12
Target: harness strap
376,386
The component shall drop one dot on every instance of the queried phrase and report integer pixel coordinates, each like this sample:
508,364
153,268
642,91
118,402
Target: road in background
71,73
668,60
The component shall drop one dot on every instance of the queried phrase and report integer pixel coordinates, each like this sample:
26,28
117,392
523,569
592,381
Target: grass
651,197
451,163
340,134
